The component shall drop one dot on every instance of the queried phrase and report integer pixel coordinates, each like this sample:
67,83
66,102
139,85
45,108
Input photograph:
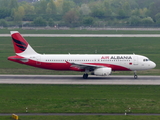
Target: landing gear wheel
135,76
85,76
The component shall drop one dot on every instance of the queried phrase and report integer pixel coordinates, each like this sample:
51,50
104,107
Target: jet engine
102,71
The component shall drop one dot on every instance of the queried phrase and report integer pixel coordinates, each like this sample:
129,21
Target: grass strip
83,117
76,31
79,98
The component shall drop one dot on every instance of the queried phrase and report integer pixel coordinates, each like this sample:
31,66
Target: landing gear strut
85,76
135,75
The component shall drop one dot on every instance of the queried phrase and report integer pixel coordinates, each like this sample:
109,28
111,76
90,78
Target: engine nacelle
102,71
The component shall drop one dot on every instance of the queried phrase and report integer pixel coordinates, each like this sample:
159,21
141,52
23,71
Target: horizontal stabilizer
15,58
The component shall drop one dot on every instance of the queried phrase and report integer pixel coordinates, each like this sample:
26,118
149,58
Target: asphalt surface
78,80
85,35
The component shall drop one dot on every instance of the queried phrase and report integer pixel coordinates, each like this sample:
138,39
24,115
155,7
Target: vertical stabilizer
20,45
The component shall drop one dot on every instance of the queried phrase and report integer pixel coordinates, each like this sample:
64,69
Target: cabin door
135,60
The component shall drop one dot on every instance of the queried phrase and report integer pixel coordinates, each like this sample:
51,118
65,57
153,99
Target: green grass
79,98
83,117
74,31
149,47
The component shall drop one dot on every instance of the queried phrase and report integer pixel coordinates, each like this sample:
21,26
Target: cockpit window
145,60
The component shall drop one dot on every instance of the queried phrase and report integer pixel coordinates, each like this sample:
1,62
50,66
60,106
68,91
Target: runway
85,35
78,80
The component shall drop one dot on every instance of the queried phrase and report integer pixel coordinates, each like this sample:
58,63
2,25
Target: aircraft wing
85,66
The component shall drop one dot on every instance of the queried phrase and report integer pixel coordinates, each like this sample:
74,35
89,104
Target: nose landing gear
135,75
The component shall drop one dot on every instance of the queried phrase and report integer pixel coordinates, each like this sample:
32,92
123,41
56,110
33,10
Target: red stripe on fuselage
63,66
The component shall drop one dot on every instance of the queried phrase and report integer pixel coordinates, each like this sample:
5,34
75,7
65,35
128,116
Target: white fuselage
115,61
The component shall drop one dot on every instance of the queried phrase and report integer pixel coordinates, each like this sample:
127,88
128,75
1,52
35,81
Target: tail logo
21,45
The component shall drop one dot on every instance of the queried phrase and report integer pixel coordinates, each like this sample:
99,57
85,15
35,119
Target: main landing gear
135,75
85,76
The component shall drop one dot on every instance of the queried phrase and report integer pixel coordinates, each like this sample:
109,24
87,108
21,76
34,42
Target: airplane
96,64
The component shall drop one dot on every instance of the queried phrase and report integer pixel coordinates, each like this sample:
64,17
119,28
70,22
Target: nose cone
153,65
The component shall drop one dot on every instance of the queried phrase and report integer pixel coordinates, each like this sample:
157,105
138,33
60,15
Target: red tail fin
20,44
